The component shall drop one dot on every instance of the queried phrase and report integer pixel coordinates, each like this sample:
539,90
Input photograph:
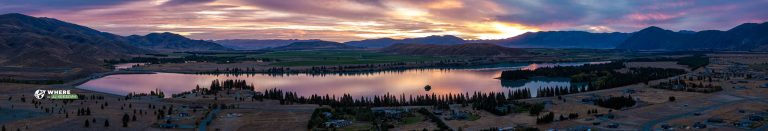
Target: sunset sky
338,20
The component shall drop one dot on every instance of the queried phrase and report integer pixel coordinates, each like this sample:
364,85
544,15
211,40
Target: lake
409,82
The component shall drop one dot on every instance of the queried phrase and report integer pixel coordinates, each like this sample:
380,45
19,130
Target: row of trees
694,62
40,82
560,71
609,79
486,101
616,102
157,92
682,85
197,58
360,69
217,86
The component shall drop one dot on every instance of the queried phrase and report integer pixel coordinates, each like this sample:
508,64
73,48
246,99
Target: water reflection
535,83
408,82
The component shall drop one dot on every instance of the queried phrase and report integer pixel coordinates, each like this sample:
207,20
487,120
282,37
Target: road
204,124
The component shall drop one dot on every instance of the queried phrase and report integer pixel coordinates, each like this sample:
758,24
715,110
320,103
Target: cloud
185,2
343,20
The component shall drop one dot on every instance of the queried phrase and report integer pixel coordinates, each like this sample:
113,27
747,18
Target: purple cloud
343,20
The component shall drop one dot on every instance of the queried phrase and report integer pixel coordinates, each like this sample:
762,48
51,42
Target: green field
413,119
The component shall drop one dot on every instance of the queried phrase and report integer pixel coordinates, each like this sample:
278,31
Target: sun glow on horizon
499,30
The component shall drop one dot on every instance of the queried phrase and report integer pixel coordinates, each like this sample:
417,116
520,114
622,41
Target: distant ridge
384,42
315,45
255,44
745,37
469,49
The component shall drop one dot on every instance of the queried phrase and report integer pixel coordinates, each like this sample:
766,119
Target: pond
408,82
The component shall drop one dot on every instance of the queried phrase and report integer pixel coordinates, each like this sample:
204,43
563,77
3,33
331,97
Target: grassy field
413,119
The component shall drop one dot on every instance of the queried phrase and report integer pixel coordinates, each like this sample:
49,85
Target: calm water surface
409,82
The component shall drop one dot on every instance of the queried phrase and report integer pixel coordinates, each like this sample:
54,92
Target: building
169,126
337,123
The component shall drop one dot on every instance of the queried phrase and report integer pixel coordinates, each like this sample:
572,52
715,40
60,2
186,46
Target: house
437,112
699,125
393,113
183,114
715,120
756,118
459,115
613,125
666,127
229,115
337,123
743,124
327,114
630,91
169,126
503,108
587,101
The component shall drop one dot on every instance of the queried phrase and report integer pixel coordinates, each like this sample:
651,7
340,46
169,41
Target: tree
672,99
87,123
536,109
106,123
125,120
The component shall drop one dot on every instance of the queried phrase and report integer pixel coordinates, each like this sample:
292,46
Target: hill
745,37
172,42
384,42
27,41
470,49
254,44
564,39
315,45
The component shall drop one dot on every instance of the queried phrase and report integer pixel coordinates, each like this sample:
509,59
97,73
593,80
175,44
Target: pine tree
125,120
87,123
106,123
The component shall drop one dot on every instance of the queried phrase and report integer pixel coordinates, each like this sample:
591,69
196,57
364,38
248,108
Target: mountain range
468,49
255,44
27,41
314,45
46,42
384,42
563,39
172,42
745,37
